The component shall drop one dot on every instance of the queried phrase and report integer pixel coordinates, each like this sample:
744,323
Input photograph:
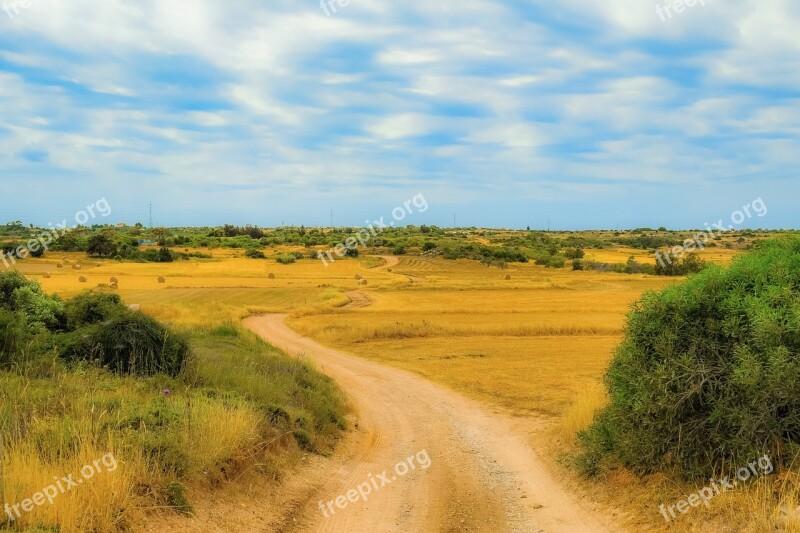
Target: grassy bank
240,405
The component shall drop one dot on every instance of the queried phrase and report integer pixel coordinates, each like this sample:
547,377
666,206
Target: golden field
456,322
535,345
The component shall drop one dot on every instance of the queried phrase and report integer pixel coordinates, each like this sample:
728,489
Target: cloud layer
589,114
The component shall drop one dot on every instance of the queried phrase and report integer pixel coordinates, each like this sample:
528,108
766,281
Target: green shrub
92,308
10,281
41,312
164,450
708,374
12,336
304,440
254,253
668,265
165,255
574,253
177,499
129,343
285,259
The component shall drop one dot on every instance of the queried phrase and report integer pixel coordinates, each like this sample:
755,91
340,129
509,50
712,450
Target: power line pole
151,215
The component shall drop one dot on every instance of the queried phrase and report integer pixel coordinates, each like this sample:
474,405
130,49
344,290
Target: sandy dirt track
482,476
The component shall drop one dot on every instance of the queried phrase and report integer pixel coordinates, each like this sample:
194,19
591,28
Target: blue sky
576,113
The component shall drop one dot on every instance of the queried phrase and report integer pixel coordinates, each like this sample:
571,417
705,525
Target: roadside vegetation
705,381
181,411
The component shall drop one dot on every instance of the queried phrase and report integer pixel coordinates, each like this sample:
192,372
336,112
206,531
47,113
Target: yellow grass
579,415
536,345
100,503
529,344
216,432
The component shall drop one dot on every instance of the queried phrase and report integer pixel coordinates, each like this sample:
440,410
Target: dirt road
391,261
358,299
481,476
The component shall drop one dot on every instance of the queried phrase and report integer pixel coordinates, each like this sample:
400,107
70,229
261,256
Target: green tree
164,255
101,245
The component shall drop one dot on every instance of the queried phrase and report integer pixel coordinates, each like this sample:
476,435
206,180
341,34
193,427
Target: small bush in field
177,499
254,253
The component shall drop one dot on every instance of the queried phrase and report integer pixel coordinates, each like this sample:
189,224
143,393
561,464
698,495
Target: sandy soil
482,476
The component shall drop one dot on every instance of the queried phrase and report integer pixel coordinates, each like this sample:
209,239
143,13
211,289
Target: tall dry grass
240,406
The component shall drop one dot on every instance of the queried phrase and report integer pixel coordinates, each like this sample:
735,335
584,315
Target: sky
573,114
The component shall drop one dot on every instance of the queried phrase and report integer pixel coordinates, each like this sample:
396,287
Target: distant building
145,242
122,225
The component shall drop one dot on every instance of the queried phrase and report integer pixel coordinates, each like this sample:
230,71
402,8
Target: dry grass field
456,322
535,345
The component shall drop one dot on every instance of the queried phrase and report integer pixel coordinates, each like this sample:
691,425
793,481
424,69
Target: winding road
482,477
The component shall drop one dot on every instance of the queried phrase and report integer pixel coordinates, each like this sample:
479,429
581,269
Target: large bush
129,343
9,282
92,308
94,326
708,374
36,310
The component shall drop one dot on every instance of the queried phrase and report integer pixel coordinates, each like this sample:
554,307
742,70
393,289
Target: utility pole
331,217
151,215
454,221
